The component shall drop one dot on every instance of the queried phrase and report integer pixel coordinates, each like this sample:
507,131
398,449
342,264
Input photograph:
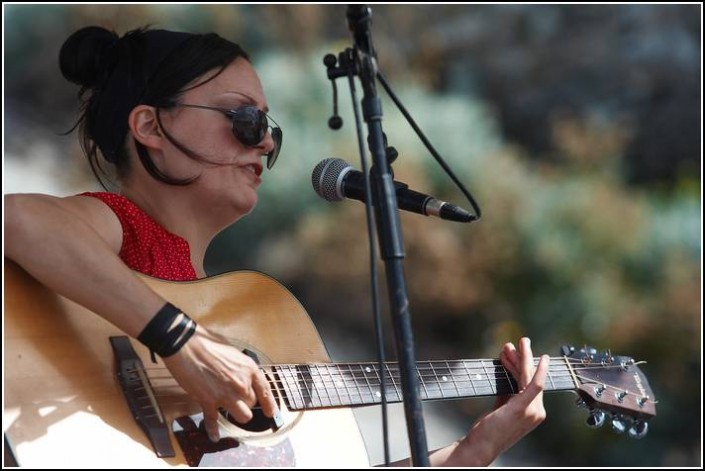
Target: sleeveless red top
146,246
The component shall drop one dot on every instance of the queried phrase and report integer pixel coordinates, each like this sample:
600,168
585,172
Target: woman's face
232,183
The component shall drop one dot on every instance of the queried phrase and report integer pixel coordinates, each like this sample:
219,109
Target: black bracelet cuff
168,331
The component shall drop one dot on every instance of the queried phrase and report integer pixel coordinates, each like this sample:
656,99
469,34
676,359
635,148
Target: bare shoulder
98,215
86,209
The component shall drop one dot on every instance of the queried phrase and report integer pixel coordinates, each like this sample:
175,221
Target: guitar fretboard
314,386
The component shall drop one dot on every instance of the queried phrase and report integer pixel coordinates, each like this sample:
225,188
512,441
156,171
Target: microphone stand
364,64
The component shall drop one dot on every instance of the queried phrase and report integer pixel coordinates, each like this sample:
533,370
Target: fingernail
213,436
277,417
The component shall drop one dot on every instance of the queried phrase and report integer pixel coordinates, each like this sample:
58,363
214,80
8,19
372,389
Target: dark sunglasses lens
249,125
274,154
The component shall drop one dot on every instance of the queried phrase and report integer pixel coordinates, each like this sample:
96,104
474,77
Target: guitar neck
316,386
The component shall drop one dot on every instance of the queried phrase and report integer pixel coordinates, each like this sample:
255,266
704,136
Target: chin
246,207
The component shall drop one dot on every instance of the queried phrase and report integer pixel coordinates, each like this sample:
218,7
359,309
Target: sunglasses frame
234,113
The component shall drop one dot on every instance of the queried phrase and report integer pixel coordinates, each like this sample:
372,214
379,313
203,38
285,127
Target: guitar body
64,406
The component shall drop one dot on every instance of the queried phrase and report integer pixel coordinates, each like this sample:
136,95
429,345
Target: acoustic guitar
79,393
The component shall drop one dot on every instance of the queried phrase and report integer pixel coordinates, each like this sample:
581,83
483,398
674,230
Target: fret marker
477,376
444,378
378,394
368,369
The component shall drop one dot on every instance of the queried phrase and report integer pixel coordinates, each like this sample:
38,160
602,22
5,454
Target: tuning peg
596,419
590,353
639,429
588,350
567,350
580,402
621,395
618,424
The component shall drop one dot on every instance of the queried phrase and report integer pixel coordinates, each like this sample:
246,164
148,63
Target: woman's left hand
513,417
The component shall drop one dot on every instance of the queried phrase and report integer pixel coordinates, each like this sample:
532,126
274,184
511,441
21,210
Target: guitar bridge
140,397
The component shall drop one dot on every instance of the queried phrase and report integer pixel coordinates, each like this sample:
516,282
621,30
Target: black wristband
162,336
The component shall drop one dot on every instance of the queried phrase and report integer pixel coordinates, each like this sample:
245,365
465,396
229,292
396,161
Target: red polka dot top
146,246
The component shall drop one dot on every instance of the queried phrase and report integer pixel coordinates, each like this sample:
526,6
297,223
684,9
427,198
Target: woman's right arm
71,244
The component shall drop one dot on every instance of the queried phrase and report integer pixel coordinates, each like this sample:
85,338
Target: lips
254,167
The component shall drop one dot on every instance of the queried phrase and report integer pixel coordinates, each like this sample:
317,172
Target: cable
429,146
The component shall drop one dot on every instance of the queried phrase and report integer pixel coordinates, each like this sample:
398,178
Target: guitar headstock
612,387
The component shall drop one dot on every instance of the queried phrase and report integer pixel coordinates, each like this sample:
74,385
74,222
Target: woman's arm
512,418
71,245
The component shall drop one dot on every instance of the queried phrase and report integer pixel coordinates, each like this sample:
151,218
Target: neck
175,209
313,386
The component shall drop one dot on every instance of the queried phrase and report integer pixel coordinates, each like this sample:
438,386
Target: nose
266,144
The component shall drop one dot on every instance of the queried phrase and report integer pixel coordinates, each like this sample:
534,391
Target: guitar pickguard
199,451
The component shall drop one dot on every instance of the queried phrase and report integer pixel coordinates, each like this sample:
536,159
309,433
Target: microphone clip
341,66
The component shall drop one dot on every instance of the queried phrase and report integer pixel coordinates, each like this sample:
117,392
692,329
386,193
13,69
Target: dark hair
145,66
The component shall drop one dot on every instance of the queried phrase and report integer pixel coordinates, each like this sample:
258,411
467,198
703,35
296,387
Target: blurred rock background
578,129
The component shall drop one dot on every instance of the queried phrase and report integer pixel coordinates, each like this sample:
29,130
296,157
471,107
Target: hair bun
86,56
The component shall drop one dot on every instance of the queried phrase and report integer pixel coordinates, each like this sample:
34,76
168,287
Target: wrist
474,451
167,331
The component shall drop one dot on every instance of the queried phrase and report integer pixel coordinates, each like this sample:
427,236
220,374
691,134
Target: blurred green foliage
568,251
565,253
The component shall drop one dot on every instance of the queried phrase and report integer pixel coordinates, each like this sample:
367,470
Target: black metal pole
389,232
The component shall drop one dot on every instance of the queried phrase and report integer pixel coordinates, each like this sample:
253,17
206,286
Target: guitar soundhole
259,422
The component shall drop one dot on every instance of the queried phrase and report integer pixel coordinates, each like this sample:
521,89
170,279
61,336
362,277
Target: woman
183,118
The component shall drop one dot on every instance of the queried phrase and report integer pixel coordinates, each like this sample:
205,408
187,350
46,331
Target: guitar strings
576,364
372,368
555,372
334,376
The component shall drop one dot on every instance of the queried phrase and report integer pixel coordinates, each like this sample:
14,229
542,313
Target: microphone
334,180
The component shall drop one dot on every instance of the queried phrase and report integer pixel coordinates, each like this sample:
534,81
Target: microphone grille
326,177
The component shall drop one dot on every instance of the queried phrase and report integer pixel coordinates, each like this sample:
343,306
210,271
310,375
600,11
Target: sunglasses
250,125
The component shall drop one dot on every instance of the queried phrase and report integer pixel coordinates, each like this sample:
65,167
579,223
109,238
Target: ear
145,127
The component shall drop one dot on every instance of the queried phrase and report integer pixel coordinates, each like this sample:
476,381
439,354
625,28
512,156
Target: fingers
534,388
526,359
210,422
219,376
510,359
263,390
531,398
520,363
256,389
239,402
239,410
251,388
258,392
539,378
